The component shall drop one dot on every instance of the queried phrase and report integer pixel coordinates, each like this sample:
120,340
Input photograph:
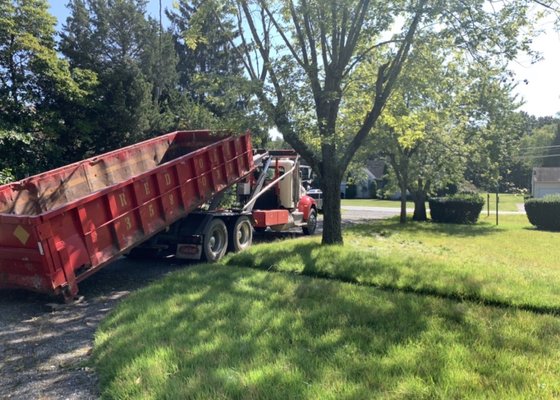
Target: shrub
456,209
544,213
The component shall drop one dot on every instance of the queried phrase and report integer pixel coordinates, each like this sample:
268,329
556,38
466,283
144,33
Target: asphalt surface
356,213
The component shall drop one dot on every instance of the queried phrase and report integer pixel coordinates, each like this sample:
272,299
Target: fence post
497,201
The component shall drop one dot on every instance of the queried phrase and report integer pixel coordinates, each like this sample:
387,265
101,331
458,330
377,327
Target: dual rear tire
218,239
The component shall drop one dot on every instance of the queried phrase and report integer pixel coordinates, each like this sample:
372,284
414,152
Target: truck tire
311,226
215,240
241,234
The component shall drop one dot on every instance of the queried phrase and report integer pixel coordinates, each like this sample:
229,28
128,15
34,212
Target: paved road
353,213
362,212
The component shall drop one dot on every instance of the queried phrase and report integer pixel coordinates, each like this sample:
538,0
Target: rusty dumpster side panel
59,227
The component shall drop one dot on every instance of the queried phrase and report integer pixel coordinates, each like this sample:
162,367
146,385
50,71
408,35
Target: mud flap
189,251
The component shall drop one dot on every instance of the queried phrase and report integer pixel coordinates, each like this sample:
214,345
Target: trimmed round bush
456,209
544,213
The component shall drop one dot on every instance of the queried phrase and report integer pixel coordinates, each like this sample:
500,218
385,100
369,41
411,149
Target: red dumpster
61,226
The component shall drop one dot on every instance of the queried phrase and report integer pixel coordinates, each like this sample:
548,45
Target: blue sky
58,8
541,93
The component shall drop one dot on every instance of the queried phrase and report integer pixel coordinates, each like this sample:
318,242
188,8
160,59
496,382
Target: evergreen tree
135,64
32,78
208,65
210,69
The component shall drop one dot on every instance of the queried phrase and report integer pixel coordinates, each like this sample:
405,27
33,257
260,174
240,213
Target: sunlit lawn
441,311
506,202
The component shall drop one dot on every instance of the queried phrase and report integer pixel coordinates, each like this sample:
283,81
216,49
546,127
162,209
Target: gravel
45,346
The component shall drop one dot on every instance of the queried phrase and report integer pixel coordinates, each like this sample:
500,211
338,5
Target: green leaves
33,79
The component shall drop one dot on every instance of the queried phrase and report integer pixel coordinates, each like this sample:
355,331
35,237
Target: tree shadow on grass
218,332
369,268
249,334
392,225
537,229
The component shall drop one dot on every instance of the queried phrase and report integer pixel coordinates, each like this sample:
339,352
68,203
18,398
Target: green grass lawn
512,263
421,311
507,202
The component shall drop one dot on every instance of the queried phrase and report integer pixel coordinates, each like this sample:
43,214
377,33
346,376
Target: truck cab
279,200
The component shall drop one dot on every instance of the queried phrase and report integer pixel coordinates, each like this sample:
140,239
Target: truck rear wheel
311,223
215,240
241,234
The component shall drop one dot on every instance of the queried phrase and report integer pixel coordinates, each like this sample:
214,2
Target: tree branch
310,38
384,85
360,57
299,34
263,51
283,35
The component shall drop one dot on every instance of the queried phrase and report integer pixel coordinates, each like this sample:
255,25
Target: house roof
376,167
550,174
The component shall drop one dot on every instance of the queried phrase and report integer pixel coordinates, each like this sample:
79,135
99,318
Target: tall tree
445,116
207,63
301,55
211,71
135,62
419,132
494,132
32,76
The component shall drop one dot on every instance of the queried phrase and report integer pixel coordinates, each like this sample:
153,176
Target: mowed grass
420,311
510,264
215,332
507,202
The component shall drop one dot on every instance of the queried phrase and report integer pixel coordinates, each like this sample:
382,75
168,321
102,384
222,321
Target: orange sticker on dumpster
21,234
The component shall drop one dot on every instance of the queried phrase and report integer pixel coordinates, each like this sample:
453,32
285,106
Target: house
363,180
545,181
373,171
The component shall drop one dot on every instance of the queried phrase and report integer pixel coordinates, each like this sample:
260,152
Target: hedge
544,213
456,209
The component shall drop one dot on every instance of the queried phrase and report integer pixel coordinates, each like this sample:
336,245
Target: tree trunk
419,196
332,229
402,218
419,206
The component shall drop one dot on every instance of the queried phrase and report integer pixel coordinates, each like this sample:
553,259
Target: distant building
545,181
371,172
